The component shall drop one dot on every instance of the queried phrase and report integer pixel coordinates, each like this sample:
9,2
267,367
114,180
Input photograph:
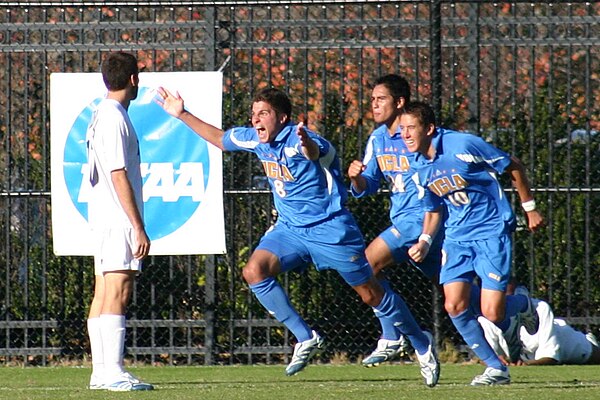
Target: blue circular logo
174,162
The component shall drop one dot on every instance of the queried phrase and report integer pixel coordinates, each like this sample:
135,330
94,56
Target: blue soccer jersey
464,175
386,157
305,192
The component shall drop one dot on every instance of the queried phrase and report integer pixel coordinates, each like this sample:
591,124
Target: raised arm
173,104
309,148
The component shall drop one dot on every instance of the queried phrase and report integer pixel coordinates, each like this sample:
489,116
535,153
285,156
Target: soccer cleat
126,382
96,383
385,351
511,336
529,318
430,366
492,376
303,352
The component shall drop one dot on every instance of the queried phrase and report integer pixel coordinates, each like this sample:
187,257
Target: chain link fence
524,75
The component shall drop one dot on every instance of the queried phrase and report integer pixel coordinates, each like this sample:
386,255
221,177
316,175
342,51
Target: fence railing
521,74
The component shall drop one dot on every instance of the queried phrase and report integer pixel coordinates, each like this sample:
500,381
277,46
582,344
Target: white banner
182,173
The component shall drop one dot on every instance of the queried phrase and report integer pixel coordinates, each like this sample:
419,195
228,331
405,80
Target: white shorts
114,251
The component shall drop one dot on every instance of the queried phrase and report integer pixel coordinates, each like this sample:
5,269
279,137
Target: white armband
426,238
528,205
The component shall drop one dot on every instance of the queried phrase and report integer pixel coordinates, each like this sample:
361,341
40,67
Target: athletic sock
388,329
95,335
393,309
113,343
272,296
473,335
515,304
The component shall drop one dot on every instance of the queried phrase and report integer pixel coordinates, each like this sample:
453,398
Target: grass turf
400,381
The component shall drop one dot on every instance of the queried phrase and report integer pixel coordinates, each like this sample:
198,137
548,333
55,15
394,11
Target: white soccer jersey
554,339
112,144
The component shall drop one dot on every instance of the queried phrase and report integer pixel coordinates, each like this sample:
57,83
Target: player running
313,224
387,158
460,170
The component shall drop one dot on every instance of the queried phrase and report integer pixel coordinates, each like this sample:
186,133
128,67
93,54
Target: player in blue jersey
313,224
387,158
460,170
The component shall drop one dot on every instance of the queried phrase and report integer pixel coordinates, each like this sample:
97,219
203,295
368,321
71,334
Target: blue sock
388,330
472,333
393,309
514,304
272,296
475,300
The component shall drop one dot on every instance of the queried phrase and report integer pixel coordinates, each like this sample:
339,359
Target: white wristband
426,238
528,205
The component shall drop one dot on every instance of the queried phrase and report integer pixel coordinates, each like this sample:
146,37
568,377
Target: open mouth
262,131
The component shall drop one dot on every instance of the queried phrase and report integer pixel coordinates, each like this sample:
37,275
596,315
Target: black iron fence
522,74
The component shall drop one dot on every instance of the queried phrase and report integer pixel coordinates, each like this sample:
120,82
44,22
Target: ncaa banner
182,173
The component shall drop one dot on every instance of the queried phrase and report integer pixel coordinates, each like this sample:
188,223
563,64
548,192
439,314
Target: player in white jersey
115,214
555,341
313,223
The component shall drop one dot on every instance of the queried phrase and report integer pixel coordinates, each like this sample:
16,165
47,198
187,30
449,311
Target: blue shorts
336,243
490,259
399,241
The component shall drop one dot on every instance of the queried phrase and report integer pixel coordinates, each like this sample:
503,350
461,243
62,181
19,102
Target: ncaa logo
175,165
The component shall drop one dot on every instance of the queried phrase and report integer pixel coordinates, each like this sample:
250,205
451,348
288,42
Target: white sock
113,342
95,335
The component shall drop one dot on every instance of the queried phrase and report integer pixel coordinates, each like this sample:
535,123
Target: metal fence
522,74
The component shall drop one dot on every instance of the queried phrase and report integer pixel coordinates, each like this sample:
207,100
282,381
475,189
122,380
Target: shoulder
465,142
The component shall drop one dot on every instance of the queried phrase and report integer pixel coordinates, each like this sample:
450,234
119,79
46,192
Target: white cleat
303,352
430,365
385,351
492,376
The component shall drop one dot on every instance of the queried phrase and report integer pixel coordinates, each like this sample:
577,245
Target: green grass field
399,381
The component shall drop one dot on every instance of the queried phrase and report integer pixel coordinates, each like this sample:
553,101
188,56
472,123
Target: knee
454,308
249,273
254,273
372,299
372,294
493,315
376,262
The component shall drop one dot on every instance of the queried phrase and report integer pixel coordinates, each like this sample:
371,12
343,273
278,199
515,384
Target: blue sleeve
240,139
323,144
483,152
431,201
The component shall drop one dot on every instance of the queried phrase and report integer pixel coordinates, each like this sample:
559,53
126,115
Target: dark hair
277,99
421,111
117,69
397,85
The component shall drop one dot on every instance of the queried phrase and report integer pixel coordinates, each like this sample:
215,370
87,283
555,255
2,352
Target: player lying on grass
554,342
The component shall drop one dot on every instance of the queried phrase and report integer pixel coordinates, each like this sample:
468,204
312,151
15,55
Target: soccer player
555,342
115,214
386,158
460,170
313,223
